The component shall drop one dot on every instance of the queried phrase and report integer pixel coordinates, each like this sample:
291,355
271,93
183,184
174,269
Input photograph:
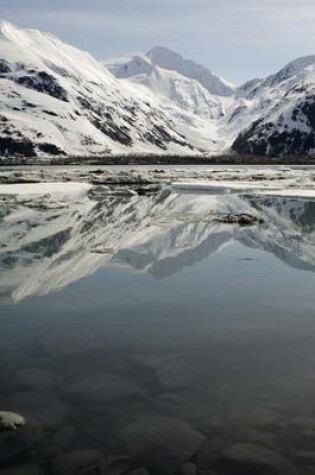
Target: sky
238,39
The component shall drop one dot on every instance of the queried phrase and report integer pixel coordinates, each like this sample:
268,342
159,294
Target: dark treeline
159,160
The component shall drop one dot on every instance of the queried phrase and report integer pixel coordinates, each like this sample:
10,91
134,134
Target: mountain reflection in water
44,250
184,345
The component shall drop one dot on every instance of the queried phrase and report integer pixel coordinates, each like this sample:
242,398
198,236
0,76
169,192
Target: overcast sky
238,39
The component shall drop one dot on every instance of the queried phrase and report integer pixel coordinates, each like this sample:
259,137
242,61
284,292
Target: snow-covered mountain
167,59
283,113
271,116
189,85
58,100
188,94
47,244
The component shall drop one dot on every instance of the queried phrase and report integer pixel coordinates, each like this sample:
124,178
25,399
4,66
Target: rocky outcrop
9,421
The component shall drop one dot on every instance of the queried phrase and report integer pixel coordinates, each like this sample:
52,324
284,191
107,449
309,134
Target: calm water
143,328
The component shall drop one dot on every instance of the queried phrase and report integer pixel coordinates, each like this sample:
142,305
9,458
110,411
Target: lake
144,334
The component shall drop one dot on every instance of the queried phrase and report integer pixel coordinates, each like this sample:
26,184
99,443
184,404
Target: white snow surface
52,93
60,190
58,100
179,82
166,59
277,100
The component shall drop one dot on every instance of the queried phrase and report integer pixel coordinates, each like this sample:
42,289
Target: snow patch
60,190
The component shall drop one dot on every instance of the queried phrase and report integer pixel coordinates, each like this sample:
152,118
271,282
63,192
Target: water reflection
45,248
188,346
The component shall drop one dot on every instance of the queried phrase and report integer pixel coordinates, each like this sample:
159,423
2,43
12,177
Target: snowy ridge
281,110
279,107
57,100
167,59
184,83
293,72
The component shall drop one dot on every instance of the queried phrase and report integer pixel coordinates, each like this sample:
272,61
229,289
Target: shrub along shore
127,160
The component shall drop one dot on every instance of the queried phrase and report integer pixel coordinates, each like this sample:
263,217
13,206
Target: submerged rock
189,469
309,471
28,469
209,454
58,347
117,465
176,373
161,444
35,379
10,421
267,439
105,387
138,471
302,423
45,410
263,418
19,443
59,441
306,457
255,459
87,462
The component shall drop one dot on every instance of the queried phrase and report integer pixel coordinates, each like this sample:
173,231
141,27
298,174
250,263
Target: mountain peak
12,31
167,59
301,63
294,70
6,26
161,55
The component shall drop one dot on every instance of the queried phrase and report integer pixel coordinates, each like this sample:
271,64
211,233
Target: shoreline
152,160
299,182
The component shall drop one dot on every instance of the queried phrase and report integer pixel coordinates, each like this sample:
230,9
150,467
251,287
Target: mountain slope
56,99
164,58
188,85
283,113
170,60
272,116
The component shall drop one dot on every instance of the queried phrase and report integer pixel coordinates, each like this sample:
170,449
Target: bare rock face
161,444
10,421
45,83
